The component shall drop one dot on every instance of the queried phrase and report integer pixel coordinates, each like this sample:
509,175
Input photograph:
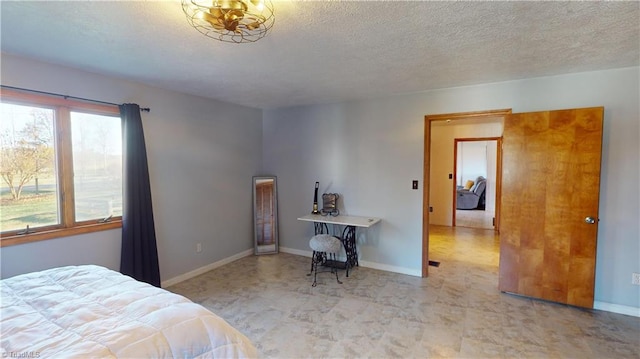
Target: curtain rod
145,109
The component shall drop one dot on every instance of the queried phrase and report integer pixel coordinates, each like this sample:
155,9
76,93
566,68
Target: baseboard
617,308
205,269
366,264
296,252
388,268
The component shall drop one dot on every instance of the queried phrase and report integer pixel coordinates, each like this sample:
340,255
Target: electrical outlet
198,247
635,278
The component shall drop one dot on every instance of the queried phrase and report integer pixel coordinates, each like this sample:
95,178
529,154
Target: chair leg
314,267
346,266
315,271
313,257
333,266
316,258
319,258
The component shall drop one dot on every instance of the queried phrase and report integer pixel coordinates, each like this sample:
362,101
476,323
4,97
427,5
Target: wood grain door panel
550,183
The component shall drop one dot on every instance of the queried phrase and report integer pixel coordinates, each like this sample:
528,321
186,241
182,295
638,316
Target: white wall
202,154
472,160
369,151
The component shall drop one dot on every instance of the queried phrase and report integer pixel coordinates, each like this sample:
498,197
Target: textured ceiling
321,52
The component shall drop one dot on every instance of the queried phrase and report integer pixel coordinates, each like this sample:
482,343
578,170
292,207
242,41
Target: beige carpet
456,312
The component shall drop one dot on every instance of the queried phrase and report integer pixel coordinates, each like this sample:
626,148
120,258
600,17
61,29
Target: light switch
414,185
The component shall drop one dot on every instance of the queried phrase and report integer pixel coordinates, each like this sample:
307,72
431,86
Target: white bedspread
91,311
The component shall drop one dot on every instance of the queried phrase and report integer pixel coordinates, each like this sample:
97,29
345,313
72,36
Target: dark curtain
139,257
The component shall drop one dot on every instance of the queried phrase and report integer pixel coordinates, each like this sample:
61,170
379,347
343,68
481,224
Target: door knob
590,220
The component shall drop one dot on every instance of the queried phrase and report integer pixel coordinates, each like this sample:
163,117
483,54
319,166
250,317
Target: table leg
349,242
320,228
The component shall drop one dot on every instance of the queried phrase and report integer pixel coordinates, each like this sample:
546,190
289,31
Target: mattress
91,311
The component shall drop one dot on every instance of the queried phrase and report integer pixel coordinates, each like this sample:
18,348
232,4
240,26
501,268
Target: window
97,165
60,167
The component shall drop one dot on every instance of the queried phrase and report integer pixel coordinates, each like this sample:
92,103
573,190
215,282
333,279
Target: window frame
68,226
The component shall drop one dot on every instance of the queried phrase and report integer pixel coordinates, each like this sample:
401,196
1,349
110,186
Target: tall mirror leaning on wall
265,215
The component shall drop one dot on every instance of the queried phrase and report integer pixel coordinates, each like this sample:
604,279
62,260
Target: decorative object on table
330,204
325,251
265,214
315,200
236,21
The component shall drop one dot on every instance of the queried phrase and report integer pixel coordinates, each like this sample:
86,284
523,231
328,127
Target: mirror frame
270,248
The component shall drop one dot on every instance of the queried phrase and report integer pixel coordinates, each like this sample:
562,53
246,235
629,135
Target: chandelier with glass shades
234,21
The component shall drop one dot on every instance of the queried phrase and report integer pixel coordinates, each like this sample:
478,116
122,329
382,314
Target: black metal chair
325,250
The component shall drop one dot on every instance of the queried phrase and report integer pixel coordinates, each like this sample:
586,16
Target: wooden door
550,184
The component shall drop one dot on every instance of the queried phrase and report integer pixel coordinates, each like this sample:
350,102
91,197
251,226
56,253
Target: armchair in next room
474,197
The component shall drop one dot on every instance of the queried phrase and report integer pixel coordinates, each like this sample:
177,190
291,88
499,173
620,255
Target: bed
91,311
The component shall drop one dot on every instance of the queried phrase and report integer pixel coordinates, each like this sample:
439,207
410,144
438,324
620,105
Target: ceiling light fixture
235,21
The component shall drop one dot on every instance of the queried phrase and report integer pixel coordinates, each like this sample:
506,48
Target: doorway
441,121
476,163
551,194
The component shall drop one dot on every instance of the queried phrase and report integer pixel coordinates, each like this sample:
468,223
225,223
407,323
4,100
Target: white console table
348,237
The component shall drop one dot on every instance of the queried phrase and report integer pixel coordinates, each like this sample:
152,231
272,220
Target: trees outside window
60,167
27,167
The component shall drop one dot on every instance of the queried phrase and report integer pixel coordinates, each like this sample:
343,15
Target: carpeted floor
456,312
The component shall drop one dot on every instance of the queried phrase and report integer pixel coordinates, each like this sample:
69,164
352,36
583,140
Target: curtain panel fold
139,255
